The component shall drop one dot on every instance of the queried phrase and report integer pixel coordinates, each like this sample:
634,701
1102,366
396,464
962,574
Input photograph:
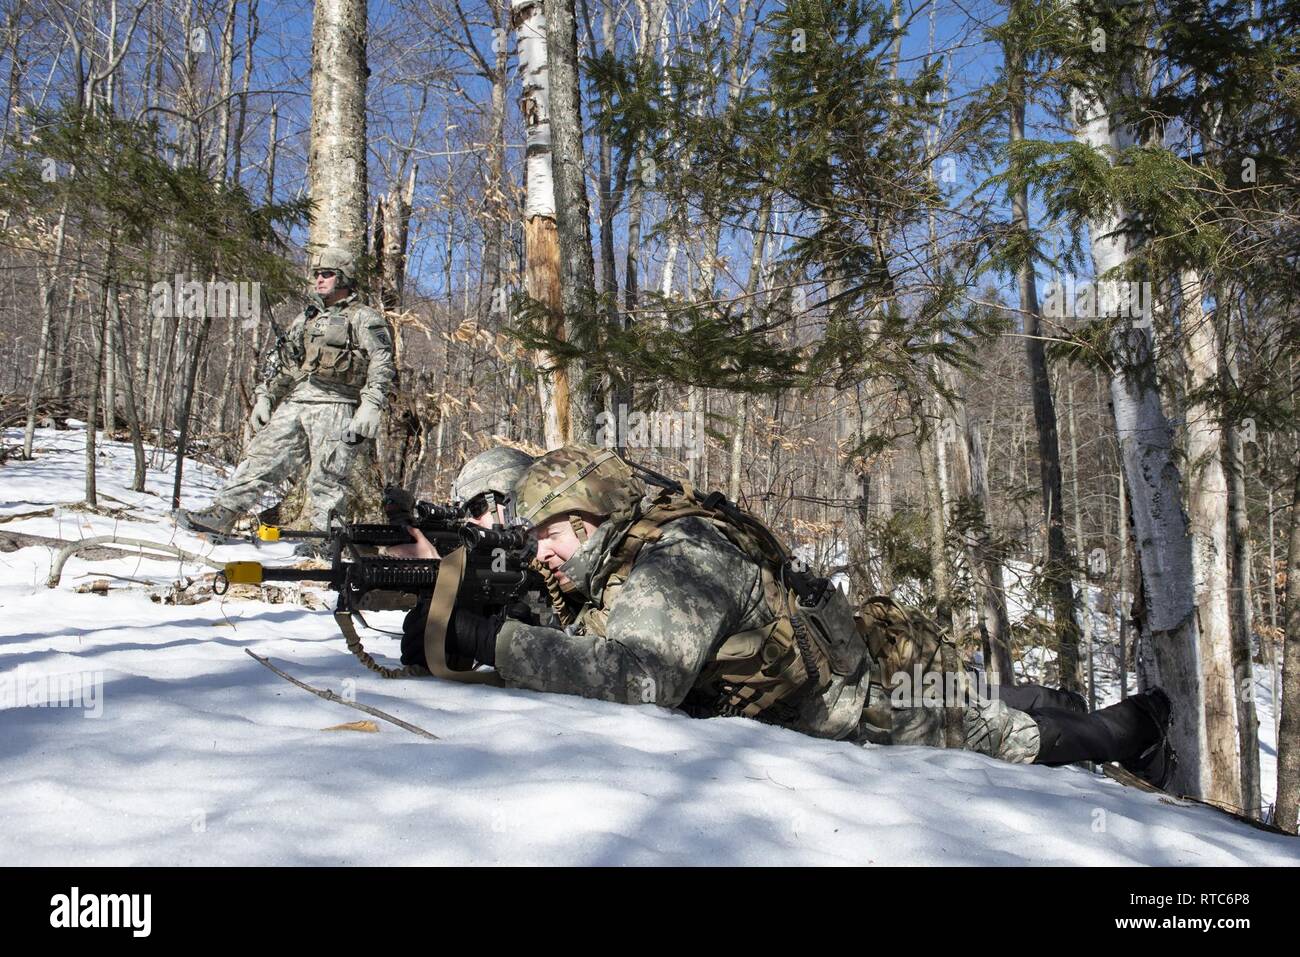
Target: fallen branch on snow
331,696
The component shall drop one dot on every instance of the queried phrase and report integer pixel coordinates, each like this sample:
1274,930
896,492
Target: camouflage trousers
300,436
986,725
921,693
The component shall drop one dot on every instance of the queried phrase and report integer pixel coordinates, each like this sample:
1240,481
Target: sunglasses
324,273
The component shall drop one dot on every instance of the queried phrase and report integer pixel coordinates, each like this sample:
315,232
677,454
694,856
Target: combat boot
1156,763
1032,698
213,520
1132,733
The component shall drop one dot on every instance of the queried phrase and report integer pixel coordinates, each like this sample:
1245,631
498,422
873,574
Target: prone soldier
680,600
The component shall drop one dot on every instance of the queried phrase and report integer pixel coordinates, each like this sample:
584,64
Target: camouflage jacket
685,594
338,353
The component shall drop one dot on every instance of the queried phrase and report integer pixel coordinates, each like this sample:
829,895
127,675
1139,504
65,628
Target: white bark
45,283
1168,653
541,240
336,167
536,104
1207,505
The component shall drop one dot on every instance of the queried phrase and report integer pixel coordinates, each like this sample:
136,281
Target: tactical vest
763,672
331,353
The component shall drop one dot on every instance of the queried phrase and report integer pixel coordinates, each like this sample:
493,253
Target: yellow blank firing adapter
267,533
244,573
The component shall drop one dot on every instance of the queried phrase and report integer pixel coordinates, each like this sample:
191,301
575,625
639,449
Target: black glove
521,611
470,636
399,505
413,634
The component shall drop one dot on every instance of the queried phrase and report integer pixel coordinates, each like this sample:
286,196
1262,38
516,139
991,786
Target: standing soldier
332,375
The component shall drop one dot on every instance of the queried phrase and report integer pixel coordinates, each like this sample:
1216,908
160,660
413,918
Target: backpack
762,672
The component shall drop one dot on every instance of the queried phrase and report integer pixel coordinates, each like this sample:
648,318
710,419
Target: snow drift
138,732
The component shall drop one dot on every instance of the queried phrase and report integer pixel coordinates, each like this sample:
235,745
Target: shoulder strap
451,573
650,526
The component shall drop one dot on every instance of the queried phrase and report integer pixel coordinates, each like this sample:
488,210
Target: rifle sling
344,620
450,575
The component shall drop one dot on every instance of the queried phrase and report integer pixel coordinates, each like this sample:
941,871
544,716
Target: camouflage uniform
331,359
685,593
910,655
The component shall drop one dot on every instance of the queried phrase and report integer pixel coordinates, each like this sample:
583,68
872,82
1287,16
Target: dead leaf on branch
370,727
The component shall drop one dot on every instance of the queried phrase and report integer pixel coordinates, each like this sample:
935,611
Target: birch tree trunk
996,619
391,229
188,383
390,232
926,438
92,414
753,284
46,282
1239,554
336,162
1123,532
132,411
541,238
227,397
225,82
1207,506
572,211
110,381
496,207
250,40
1168,655
1288,735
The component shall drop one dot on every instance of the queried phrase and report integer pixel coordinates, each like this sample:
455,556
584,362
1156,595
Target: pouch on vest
329,353
751,672
832,624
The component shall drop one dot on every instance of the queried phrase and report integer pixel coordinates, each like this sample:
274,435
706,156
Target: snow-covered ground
183,750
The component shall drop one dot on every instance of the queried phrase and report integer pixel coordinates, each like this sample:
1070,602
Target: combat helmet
338,259
576,478
497,470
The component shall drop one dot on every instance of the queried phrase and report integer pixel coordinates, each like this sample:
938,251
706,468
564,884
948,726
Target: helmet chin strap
579,528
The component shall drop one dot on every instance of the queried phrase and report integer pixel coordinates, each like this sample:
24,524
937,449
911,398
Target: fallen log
12,541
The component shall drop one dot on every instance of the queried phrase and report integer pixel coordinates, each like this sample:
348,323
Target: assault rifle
478,568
